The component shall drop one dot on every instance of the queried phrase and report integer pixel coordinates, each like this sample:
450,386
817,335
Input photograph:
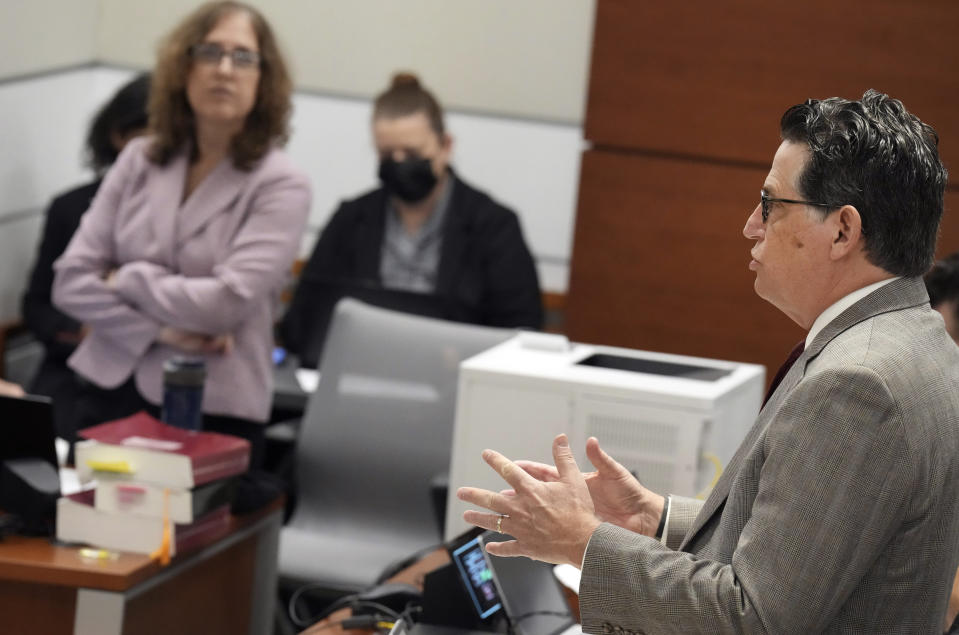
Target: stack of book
149,474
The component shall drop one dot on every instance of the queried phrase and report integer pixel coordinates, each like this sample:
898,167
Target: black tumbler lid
184,371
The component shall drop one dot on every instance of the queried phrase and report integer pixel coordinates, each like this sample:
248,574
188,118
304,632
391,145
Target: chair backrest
380,425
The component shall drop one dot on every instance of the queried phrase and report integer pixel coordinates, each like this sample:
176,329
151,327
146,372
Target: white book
115,493
79,521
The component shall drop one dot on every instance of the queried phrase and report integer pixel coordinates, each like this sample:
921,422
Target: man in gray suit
840,510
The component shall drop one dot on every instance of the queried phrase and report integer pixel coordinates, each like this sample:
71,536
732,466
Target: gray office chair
376,431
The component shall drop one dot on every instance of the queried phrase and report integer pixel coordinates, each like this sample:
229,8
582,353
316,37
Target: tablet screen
477,577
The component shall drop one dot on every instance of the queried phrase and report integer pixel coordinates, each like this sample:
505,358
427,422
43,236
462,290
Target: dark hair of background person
171,118
124,114
406,96
876,156
942,282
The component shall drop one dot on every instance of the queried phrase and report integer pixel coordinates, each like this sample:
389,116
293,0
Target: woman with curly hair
192,232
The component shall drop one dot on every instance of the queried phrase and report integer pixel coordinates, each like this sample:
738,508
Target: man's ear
847,235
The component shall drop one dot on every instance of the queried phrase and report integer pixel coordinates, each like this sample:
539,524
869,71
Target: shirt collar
434,222
840,305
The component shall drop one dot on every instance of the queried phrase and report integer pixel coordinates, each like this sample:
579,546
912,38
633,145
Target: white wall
38,35
522,58
42,126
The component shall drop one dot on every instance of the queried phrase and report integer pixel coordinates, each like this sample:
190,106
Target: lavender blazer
213,264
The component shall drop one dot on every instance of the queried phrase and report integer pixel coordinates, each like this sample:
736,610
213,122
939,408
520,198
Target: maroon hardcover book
203,531
144,449
79,521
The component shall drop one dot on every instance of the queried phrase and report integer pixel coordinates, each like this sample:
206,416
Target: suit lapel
897,295
720,492
214,194
165,187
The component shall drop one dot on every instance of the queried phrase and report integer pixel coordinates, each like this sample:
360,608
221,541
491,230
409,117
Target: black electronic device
320,296
462,594
29,478
472,564
532,597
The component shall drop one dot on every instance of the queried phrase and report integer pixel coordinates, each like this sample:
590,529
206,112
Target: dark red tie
793,356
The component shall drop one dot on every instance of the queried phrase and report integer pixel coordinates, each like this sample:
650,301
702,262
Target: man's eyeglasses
212,53
766,200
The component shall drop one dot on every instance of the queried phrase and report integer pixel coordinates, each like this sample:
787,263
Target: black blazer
54,378
485,268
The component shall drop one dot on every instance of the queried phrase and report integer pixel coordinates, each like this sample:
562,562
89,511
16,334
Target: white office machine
674,421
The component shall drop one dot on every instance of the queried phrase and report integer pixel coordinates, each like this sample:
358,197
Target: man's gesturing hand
618,498
550,521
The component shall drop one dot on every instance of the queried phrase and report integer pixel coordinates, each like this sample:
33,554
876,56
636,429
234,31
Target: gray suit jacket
212,264
838,513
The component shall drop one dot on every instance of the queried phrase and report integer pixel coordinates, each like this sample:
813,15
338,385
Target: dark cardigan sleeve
39,315
329,260
513,296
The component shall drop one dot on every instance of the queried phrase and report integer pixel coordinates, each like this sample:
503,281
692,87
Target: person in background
942,283
424,230
118,121
192,233
839,512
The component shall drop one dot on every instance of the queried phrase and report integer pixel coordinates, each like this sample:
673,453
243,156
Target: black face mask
410,180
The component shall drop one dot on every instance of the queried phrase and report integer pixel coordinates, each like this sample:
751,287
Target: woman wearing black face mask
410,180
424,231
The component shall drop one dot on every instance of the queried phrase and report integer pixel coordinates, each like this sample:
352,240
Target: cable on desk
405,620
349,600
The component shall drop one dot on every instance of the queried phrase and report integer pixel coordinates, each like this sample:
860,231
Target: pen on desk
98,554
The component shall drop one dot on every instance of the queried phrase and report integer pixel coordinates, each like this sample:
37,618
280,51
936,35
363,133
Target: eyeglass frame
237,56
765,200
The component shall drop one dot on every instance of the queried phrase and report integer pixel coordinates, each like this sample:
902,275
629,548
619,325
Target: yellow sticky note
121,467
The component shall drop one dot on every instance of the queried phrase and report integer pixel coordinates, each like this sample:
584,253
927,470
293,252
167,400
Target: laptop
321,296
26,429
28,489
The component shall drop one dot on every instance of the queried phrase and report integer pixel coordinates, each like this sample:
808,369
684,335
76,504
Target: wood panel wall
683,117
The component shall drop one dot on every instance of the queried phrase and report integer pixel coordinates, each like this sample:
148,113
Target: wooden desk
226,587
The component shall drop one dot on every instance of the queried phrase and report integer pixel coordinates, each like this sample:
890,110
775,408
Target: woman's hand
110,278
73,337
196,343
